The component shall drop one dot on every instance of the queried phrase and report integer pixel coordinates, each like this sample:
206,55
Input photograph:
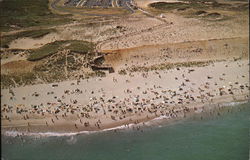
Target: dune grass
51,48
209,10
45,51
167,66
169,6
17,79
199,5
80,46
16,14
5,40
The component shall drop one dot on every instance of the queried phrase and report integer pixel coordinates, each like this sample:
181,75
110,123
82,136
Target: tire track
99,44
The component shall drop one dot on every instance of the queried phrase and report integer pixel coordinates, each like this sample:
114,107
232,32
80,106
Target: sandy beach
115,100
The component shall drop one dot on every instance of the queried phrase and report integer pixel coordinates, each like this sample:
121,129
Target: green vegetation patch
199,1
210,10
80,46
214,15
52,48
169,6
16,14
45,51
5,40
54,68
198,5
35,33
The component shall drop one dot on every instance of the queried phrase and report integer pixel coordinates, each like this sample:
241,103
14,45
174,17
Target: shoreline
156,121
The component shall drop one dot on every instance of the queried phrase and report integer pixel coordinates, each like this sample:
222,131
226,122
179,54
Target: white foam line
233,103
60,134
161,117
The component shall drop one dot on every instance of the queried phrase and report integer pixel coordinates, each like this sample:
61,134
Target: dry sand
30,43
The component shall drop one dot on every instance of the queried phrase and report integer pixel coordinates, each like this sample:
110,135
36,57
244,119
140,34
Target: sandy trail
30,43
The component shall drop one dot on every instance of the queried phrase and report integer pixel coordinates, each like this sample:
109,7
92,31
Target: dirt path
99,45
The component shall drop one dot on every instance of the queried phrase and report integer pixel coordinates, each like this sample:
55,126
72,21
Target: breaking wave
60,134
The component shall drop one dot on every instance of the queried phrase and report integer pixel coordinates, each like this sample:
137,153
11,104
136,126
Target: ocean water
223,136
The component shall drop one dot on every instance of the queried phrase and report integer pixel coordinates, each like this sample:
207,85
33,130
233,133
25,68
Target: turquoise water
217,137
